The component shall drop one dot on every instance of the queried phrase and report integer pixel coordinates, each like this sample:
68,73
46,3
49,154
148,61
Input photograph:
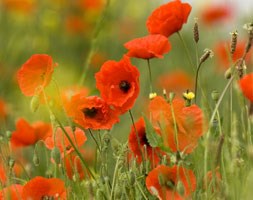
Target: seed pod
234,35
196,30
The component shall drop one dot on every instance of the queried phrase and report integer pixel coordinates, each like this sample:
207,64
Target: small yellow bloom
189,95
152,95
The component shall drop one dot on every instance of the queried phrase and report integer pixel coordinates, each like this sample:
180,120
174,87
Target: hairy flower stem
114,177
196,82
93,45
150,77
186,50
75,148
210,123
175,125
99,148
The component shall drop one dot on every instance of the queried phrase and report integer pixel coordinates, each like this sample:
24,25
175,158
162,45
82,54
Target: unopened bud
228,73
171,96
180,188
11,163
56,155
8,134
215,95
132,178
35,103
36,160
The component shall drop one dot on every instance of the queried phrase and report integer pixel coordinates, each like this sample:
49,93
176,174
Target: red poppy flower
148,47
118,83
12,192
215,13
92,112
40,188
214,178
61,141
3,174
69,92
163,182
168,18
152,153
26,134
21,6
221,49
189,123
74,165
176,81
3,110
35,74
75,24
246,85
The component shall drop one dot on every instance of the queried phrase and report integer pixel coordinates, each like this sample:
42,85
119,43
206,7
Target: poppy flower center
124,86
45,197
144,140
170,184
90,112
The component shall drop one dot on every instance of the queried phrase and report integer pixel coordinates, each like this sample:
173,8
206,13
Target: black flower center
144,140
124,86
90,112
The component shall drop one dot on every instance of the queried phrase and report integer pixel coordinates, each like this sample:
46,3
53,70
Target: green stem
96,32
210,124
114,177
75,148
150,77
187,51
137,136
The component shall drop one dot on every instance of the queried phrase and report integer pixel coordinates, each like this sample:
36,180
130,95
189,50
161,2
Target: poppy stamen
90,112
124,86
47,197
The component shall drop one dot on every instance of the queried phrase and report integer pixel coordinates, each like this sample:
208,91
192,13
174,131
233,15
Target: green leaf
153,138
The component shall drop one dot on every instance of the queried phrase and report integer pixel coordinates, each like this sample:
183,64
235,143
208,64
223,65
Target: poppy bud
107,138
11,163
36,160
228,73
215,95
56,155
171,96
35,103
132,178
8,134
161,180
180,188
